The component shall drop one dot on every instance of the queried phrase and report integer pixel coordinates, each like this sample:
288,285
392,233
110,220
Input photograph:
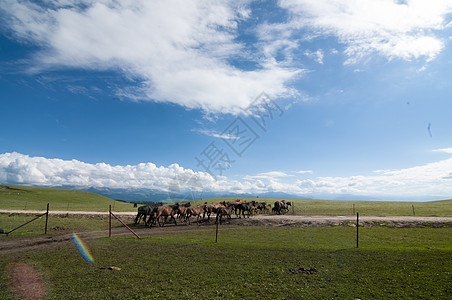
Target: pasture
441,208
249,263
34,198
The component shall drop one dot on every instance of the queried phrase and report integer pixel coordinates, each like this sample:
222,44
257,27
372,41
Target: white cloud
444,150
268,176
20,169
181,51
16,168
216,134
274,174
394,30
429,181
317,55
304,172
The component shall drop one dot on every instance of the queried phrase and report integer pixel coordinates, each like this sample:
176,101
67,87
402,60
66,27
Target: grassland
365,208
20,197
250,263
34,198
247,263
56,224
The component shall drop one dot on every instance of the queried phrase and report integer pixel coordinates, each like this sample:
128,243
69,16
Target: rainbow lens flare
82,248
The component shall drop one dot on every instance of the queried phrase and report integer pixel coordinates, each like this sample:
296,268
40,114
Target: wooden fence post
109,223
47,218
414,213
124,224
357,230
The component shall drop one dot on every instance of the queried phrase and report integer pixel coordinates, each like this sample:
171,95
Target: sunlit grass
253,262
33,198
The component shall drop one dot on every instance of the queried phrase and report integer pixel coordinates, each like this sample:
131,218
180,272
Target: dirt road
313,220
16,244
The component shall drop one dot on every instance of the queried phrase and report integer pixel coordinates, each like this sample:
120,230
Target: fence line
37,217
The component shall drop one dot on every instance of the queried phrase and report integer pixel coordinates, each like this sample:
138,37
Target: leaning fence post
120,221
109,223
47,218
357,229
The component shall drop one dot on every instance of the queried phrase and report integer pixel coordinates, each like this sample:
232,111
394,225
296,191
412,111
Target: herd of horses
159,214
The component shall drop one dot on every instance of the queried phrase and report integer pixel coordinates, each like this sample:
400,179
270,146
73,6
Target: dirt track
16,244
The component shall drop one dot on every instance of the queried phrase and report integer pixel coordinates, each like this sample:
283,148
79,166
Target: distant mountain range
147,195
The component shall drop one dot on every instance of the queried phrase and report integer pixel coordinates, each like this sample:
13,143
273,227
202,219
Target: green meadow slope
31,198
441,208
35,198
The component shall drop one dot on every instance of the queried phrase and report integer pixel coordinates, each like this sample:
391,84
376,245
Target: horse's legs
172,216
137,219
165,218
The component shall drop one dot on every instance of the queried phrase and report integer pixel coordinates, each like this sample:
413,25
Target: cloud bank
194,53
427,182
393,29
182,52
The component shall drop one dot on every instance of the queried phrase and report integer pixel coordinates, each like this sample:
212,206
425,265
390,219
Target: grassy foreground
249,263
34,198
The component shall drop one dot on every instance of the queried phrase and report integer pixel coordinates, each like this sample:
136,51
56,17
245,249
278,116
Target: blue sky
133,94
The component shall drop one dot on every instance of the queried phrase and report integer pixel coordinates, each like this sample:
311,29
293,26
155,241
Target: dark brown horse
144,211
165,212
245,207
193,211
279,205
211,208
223,212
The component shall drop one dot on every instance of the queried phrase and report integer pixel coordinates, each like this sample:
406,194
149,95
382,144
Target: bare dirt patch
25,281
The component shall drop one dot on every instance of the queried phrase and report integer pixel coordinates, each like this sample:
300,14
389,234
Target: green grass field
56,224
249,263
19,197
34,198
366,208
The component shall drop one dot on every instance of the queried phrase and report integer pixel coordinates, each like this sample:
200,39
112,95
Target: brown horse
279,205
221,212
210,208
245,207
165,212
193,211
144,211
